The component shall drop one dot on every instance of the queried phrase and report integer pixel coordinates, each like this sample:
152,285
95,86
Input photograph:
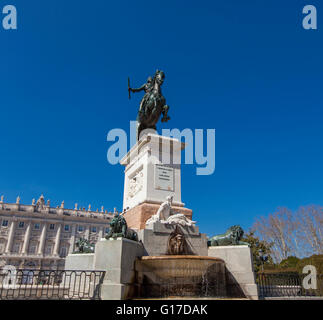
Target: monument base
116,291
115,257
156,236
74,261
136,217
240,277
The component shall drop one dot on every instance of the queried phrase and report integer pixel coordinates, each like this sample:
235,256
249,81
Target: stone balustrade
45,209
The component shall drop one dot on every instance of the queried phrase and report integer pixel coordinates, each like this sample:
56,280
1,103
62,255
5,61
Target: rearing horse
152,105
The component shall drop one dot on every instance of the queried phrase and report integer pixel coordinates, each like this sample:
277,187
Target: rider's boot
165,116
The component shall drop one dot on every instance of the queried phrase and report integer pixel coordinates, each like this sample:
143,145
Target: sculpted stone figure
40,204
119,228
164,211
152,105
164,215
177,244
232,237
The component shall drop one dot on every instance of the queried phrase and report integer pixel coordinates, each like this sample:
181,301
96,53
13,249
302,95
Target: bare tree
279,230
310,229
297,234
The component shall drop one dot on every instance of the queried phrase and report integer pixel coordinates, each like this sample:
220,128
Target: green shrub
290,263
315,260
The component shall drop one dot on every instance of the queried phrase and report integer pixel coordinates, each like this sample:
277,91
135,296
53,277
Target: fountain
180,275
153,248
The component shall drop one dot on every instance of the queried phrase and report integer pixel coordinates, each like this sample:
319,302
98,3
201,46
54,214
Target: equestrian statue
153,103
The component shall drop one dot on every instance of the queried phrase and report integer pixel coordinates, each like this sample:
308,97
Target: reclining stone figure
164,215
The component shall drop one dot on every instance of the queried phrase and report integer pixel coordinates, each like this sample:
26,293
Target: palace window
80,228
93,229
36,226
48,250
2,245
21,224
107,230
32,248
63,252
52,226
67,227
5,223
16,247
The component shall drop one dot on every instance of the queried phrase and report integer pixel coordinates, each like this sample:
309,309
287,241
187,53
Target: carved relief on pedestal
135,184
177,244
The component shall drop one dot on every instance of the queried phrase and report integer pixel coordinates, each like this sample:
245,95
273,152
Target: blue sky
246,68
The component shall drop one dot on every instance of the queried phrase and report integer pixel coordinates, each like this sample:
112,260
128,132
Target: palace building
40,237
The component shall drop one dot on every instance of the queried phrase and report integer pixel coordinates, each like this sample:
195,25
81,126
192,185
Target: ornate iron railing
287,285
49,284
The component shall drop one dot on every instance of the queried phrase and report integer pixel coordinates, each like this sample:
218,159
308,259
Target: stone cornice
79,217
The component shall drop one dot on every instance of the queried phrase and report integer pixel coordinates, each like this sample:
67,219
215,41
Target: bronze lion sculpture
232,237
119,228
84,246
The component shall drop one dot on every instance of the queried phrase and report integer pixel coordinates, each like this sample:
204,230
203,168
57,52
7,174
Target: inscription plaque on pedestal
164,177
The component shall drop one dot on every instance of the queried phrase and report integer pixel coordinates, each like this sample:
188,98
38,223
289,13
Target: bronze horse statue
152,105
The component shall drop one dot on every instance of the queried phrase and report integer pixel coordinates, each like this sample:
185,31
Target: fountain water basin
180,275
168,267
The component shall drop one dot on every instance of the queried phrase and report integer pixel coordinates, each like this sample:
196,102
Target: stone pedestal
153,171
117,257
136,217
80,261
156,235
76,280
240,277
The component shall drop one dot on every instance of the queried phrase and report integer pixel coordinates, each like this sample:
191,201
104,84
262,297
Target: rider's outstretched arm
138,89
